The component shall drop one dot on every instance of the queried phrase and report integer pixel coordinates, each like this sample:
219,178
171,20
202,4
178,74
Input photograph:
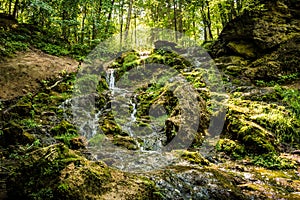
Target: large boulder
267,37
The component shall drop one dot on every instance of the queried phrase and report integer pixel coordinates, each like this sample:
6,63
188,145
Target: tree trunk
128,19
209,21
175,20
180,28
16,7
121,23
9,7
83,24
205,23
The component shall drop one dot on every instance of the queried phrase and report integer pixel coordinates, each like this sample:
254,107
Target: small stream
123,104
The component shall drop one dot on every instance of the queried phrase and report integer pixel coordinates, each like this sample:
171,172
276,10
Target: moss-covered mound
261,131
55,172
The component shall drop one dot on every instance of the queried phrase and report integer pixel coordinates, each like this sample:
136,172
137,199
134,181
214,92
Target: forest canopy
89,22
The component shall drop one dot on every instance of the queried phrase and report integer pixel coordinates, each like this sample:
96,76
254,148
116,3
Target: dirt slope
24,72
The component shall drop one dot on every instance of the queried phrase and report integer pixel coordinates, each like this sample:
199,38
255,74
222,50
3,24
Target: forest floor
24,72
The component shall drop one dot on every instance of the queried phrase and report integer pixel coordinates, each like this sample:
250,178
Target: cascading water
111,79
86,121
126,108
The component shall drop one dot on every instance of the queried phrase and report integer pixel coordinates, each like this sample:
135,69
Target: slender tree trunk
204,21
83,24
175,20
63,25
128,19
135,26
180,24
209,21
16,7
9,7
121,23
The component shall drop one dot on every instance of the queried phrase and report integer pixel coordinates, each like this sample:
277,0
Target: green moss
64,128
273,161
244,49
193,157
260,127
231,147
126,142
29,123
66,138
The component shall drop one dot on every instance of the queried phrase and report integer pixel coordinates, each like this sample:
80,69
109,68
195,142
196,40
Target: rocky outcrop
265,43
55,172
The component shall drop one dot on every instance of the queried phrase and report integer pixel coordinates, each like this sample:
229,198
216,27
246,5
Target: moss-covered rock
109,126
193,157
63,128
55,172
23,109
268,37
258,128
13,134
126,142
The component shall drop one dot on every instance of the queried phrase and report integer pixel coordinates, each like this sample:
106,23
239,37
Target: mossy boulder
13,134
23,109
193,157
267,37
55,172
258,128
126,142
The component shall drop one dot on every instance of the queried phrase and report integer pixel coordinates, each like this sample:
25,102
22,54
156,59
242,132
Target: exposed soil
24,72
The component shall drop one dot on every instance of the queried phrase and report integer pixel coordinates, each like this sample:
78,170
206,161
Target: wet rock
126,141
183,182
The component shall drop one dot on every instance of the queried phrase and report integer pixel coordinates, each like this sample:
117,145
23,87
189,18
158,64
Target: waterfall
86,121
134,110
123,104
111,79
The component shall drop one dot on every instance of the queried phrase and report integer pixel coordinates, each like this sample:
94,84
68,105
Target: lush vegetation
63,27
48,154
